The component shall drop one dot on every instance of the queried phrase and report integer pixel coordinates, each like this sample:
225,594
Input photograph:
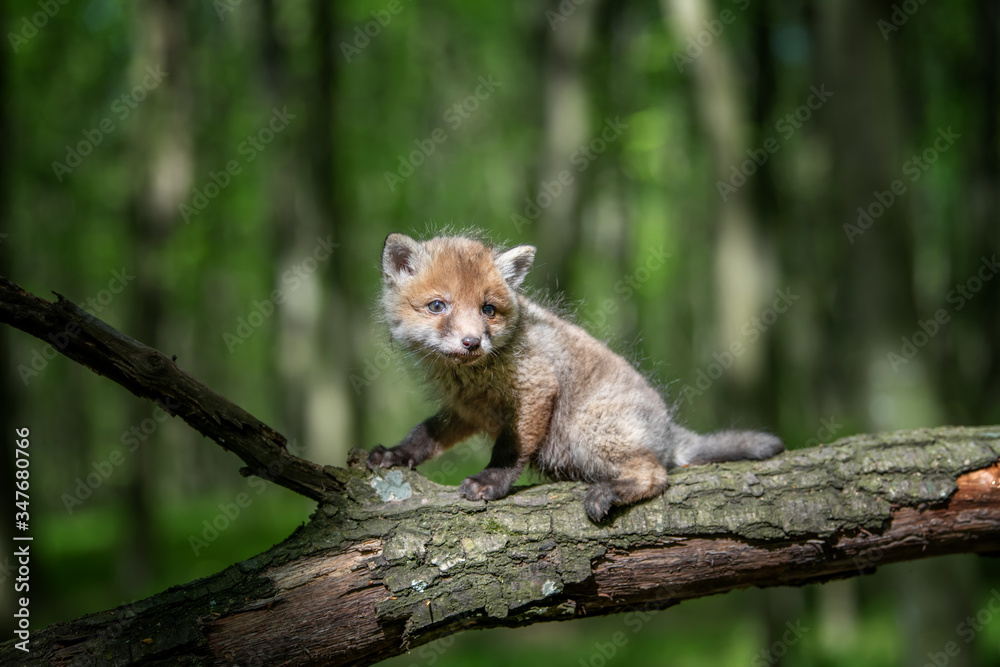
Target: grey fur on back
607,407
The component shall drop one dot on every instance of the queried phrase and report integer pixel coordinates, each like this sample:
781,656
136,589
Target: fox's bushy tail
694,449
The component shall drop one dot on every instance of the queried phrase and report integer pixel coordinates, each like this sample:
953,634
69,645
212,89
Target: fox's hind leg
641,477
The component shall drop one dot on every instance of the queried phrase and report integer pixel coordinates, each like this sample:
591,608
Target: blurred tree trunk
984,223
340,413
602,211
869,277
761,394
163,160
744,271
314,351
308,207
297,335
567,125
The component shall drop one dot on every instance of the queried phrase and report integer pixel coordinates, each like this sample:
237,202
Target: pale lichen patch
392,487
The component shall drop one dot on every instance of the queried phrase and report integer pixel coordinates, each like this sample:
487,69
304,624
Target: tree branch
396,561
148,373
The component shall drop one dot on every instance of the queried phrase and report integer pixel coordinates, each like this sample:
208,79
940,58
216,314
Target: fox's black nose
471,343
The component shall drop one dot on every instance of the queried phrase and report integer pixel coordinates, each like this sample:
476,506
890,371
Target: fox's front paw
381,457
487,485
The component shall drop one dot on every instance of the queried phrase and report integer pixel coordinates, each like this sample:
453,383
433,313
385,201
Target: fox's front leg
427,439
504,468
512,450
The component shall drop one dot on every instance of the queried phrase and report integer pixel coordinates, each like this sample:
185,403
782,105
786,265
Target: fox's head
452,296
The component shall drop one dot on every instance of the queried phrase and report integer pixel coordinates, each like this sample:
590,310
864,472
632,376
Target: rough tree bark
391,561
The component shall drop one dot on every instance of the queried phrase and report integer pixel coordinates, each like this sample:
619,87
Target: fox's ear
402,257
514,264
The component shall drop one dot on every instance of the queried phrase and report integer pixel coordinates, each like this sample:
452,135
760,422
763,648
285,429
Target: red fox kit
549,393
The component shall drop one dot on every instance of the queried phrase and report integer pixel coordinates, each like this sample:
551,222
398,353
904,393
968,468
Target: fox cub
548,393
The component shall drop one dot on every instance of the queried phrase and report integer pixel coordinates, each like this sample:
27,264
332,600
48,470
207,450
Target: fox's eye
436,306
489,310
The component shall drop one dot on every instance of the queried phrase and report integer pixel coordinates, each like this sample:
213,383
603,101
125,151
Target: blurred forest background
786,212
